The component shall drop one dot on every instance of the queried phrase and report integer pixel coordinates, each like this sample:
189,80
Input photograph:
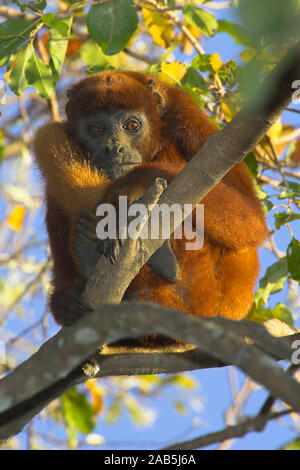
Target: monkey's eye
132,125
95,129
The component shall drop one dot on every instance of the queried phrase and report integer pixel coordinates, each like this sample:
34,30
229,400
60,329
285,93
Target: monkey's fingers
86,226
111,249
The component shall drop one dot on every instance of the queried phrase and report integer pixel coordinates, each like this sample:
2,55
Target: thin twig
141,57
256,424
293,110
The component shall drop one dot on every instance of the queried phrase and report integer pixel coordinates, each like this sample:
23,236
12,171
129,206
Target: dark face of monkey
114,142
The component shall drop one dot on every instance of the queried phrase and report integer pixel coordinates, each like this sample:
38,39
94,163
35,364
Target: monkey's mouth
117,165
115,170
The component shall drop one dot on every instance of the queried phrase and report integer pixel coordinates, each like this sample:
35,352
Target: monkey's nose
113,149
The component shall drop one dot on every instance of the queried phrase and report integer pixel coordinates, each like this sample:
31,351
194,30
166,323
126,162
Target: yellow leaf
160,28
275,131
279,135
228,111
97,396
15,220
172,72
215,61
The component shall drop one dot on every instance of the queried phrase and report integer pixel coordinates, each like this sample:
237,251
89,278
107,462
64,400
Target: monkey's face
114,142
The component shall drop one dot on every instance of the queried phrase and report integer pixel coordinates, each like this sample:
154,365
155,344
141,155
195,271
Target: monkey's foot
111,248
68,305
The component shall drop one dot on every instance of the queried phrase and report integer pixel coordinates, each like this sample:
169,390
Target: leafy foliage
112,24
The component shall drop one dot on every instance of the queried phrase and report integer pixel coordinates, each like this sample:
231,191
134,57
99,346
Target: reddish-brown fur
218,279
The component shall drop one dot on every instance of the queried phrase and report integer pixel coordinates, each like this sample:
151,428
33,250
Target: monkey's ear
160,99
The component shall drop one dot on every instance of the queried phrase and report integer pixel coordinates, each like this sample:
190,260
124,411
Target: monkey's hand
88,247
164,261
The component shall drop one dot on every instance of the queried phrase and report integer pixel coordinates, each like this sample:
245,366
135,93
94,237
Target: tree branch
57,364
256,424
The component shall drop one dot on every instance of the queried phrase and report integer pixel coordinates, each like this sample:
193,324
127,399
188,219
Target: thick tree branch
57,363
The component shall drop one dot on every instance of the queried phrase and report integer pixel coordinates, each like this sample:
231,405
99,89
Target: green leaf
283,313
92,55
40,76
58,44
202,63
260,193
282,218
289,193
227,72
97,68
237,32
292,191
14,33
293,259
200,19
38,6
251,163
273,281
292,185
194,94
112,24
23,6
17,79
77,411
267,205
260,314
194,79
52,22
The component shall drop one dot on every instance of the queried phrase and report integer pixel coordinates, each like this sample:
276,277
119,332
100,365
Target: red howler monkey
123,130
